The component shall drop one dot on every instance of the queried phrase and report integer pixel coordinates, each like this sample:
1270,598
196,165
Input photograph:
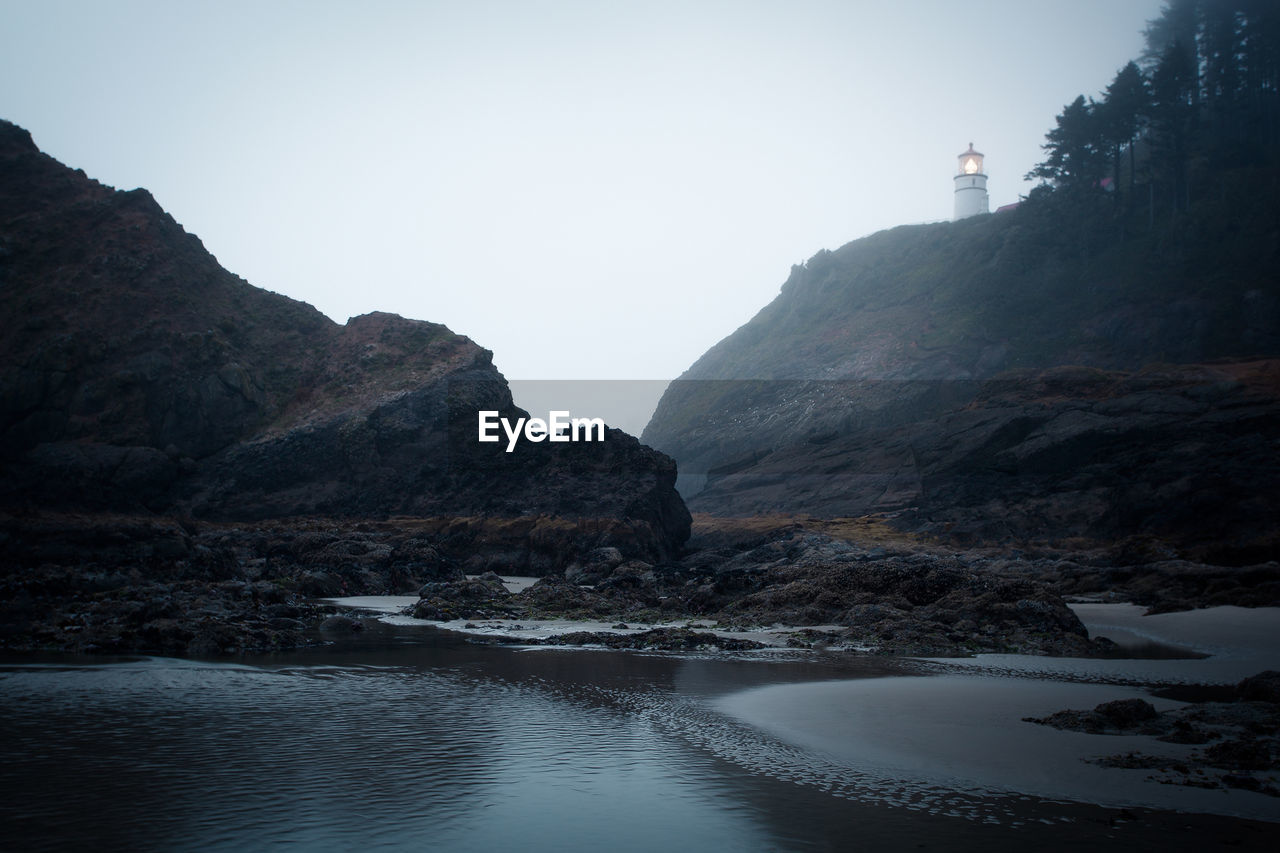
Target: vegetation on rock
999,377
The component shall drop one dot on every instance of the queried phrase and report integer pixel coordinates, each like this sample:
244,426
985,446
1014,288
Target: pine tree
1260,55
1174,84
1179,21
1074,160
1206,95
1125,107
1221,49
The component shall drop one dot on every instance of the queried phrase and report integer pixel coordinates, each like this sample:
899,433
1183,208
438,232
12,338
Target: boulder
1126,713
1263,687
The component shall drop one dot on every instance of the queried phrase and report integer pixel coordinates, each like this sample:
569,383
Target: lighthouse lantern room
971,185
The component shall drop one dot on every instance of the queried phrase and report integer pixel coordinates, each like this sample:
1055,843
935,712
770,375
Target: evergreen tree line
1204,95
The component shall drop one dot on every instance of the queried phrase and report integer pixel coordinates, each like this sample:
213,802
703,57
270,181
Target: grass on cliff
711,531
1044,281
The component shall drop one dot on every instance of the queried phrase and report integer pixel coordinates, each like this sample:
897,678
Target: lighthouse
971,185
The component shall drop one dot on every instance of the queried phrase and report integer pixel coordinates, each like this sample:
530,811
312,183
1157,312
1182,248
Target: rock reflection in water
400,739
167,754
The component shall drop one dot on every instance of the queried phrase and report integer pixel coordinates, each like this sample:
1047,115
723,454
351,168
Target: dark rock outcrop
1138,572
888,602
897,323
138,375
915,603
112,583
1116,717
1000,381
1238,740
483,597
1184,454
1263,687
657,639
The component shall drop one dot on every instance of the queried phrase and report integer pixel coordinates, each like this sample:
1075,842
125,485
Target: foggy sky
596,190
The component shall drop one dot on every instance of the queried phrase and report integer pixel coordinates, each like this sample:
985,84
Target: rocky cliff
137,375
922,371
1187,455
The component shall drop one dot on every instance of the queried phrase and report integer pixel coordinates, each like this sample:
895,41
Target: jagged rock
426,609
1125,713
143,376
1263,687
1238,737
656,639
557,596
594,566
483,597
340,624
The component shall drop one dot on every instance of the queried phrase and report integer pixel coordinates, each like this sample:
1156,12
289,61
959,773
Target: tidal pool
408,738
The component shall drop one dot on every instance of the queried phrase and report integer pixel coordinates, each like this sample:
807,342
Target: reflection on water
1130,647
416,740
445,745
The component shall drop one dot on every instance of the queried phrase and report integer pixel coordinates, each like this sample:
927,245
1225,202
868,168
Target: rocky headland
1182,455
176,444
1049,378
138,375
191,465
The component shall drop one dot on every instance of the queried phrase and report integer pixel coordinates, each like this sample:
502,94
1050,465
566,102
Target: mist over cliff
935,370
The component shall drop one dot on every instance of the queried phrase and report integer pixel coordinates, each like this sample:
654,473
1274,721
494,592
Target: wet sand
963,729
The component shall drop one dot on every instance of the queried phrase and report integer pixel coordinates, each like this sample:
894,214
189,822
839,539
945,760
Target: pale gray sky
595,190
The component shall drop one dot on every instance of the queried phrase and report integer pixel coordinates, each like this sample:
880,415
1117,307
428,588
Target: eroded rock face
137,374
1003,384
1181,453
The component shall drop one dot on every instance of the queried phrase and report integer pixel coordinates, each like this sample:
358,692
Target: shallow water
407,738
391,742
964,728
930,736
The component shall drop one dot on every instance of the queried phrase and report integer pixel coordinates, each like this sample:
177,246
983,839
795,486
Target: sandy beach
963,729
959,729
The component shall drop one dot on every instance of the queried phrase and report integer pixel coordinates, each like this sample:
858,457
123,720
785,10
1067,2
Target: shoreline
537,631
1227,642
899,767
964,728
961,729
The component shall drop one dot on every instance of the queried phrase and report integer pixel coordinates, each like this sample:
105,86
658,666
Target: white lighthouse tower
971,185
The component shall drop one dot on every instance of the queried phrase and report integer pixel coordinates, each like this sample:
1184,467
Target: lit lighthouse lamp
971,185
